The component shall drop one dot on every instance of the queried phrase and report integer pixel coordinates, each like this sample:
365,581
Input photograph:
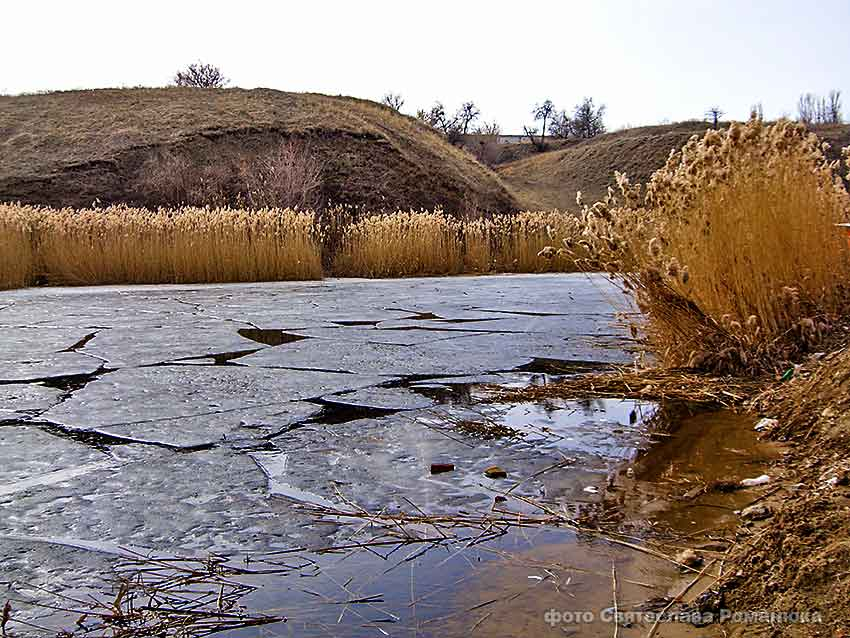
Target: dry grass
419,243
732,251
401,244
123,245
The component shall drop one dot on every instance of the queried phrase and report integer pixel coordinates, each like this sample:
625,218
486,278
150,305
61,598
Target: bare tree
807,108
467,114
588,119
834,107
202,76
448,126
543,112
393,100
436,117
714,114
531,132
562,125
489,128
813,110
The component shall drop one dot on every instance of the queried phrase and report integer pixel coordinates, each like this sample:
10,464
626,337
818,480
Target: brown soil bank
798,559
71,148
550,180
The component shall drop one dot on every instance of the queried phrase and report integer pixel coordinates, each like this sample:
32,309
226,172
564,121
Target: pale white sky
648,61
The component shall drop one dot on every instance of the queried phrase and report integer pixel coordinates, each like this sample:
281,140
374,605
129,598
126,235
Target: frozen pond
185,420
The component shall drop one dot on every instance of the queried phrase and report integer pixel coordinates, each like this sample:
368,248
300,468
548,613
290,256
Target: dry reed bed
415,243
16,250
122,245
731,250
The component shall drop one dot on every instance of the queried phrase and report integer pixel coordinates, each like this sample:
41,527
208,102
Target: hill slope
550,180
70,148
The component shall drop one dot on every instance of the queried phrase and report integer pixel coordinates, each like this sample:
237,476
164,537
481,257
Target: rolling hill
72,148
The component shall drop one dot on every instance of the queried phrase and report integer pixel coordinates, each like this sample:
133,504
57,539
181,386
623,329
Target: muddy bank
797,560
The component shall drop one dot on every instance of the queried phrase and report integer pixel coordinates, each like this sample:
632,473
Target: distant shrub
393,100
170,178
588,119
201,76
487,149
286,176
289,176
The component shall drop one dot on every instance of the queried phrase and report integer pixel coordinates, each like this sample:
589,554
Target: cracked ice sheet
382,399
577,323
59,567
29,343
28,452
378,463
164,501
51,366
93,307
466,355
372,335
188,406
24,400
125,347
30,354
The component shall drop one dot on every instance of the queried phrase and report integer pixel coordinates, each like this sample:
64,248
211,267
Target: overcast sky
648,61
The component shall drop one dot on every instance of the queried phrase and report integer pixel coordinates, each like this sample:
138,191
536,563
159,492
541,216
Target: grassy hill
70,148
550,179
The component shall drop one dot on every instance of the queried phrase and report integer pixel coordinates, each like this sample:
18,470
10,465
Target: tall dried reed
127,245
732,250
122,245
401,244
519,243
16,254
432,242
